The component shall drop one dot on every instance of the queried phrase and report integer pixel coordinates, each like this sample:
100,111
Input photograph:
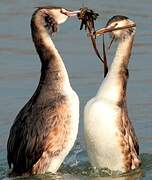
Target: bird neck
53,71
114,85
122,56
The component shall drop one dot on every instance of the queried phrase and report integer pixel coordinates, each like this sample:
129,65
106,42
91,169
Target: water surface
20,70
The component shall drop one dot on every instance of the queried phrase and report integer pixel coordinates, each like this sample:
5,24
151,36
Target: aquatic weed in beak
87,17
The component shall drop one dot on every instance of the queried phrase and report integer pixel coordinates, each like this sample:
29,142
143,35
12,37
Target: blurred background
20,70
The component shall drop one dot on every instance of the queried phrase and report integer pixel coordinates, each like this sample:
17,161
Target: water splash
77,167
77,163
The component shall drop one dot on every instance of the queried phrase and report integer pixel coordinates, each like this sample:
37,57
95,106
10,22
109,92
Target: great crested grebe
110,138
45,129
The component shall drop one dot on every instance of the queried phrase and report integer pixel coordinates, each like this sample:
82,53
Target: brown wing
129,142
37,129
130,129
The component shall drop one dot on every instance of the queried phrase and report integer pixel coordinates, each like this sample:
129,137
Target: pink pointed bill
70,13
112,28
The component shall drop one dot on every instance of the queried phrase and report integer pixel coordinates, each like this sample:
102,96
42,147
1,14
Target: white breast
101,132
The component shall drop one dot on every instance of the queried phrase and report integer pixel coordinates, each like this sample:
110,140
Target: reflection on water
20,67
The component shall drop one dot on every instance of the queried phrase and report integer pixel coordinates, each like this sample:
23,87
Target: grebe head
119,27
59,14
53,16
127,25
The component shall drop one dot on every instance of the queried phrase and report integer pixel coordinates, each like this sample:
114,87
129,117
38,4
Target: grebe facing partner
45,129
110,138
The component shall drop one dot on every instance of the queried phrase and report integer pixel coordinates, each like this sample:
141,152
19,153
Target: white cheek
118,33
61,19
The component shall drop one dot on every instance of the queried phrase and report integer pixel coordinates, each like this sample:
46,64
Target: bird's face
119,27
59,14
52,17
124,26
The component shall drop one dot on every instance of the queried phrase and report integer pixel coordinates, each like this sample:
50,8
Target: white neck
113,87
